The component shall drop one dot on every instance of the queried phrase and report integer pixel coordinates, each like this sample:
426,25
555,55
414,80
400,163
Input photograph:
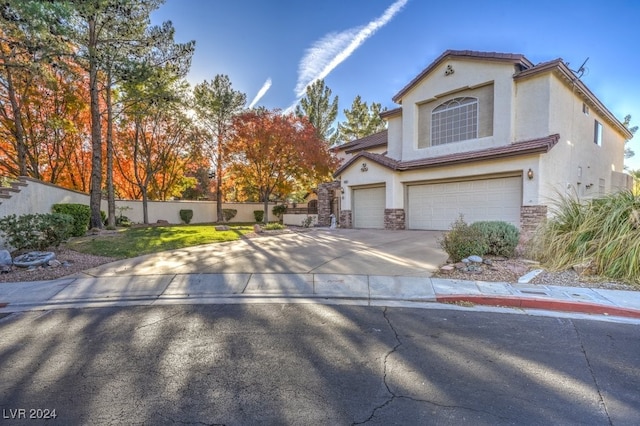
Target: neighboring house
490,136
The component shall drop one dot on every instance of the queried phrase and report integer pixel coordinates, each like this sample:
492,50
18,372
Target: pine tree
362,121
320,110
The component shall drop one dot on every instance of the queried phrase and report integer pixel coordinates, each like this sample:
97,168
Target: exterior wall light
342,189
530,174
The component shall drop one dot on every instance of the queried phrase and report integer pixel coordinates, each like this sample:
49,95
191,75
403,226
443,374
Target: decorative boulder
5,258
33,259
475,259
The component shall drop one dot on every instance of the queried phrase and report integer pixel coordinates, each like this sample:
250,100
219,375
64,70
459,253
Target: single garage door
368,207
435,206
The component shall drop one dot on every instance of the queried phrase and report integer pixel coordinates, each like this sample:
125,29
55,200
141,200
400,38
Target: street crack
394,396
384,377
593,375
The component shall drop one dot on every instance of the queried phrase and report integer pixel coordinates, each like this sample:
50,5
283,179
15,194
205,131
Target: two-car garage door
435,206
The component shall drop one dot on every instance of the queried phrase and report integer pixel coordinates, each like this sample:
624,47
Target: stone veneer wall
325,195
530,218
346,219
394,219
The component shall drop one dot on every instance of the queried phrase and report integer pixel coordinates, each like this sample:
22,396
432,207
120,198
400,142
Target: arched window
455,120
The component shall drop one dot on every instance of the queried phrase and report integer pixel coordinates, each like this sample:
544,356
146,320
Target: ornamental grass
603,232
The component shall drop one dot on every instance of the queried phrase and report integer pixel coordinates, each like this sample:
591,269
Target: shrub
279,210
123,221
229,214
308,221
259,215
81,214
501,237
186,215
103,216
37,231
463,241
274,226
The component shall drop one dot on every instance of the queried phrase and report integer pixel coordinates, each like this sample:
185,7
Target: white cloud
261,92
332,49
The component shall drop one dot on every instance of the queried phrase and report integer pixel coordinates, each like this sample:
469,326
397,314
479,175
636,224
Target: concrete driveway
318,251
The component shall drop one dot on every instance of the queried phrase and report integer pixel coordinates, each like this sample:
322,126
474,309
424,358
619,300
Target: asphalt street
314,364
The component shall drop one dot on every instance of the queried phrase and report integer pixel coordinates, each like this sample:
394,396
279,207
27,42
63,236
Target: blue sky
372,48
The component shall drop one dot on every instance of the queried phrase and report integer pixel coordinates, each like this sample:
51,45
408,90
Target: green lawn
133,242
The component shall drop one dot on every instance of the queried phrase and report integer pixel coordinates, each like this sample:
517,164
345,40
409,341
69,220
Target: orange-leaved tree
276,153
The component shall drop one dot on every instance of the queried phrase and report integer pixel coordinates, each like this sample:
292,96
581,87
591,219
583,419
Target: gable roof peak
515,58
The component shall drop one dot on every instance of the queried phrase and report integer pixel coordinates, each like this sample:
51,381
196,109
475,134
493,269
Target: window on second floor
597,133
455,120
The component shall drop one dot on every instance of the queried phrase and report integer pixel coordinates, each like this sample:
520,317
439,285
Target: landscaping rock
222,228
54,263
447,269
5,269
162,221
34,259
465,260
257,229
475,259
487,262
583,268
5,258
460,265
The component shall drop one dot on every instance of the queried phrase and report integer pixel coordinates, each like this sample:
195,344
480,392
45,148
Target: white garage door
436,206
368,207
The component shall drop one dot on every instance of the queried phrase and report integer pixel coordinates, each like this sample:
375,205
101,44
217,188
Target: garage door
368,207
435,206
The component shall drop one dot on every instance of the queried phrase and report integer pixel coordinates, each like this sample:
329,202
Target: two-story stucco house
490,136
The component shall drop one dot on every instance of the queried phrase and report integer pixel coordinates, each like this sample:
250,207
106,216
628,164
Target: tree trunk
219,182
145,209
111,199
21,146
95,194
265,217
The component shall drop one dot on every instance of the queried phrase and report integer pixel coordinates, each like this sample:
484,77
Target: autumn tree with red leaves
277,153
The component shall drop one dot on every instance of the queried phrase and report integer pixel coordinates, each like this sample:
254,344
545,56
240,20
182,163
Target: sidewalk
367,290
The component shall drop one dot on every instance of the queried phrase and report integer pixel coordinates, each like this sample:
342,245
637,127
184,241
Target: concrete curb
546,304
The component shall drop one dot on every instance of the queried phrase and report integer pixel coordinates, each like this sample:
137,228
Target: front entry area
368,207
436,206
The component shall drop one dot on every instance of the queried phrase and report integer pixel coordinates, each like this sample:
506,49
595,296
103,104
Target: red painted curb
535,303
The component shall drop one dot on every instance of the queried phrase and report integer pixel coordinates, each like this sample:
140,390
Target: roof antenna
581,70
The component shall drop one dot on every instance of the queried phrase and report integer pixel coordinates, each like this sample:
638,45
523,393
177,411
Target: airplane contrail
332,49
261,92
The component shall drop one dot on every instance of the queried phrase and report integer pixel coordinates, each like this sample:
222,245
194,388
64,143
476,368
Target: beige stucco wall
548,105
39,197
468,75
394,137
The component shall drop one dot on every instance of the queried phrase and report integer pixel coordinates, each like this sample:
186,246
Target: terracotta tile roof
391,112
371,141
508,57
534,146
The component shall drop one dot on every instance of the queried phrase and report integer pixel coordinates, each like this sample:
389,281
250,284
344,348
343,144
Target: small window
597,133
585,109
